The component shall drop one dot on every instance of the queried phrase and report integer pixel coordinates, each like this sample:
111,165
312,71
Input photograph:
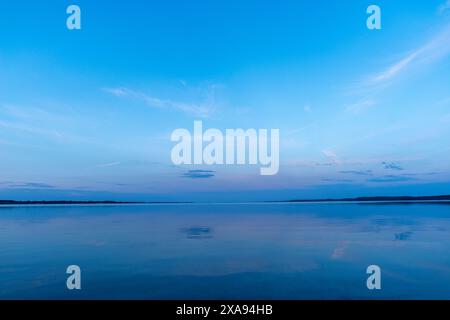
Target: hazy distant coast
65,202
379,199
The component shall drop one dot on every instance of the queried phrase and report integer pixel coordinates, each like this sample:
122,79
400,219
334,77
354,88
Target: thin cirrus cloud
332,156
109,164
434,49
203,109
360,106
38,122
431,51
396,68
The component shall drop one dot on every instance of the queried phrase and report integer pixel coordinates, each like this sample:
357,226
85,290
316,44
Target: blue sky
88,113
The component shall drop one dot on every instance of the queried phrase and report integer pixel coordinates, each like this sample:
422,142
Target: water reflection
403,235
270,251
198,232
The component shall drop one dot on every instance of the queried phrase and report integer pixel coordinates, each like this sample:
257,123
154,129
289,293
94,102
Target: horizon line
373,199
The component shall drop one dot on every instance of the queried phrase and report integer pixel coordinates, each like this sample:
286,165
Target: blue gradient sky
88,114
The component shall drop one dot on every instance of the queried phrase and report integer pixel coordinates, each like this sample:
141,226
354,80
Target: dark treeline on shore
9,202
69,202
375,199
442,198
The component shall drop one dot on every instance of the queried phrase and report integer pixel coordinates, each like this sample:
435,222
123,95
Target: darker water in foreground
226,251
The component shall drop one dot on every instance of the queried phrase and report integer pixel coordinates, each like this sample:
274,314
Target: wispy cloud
339,252
391,178
359,173
29,129
109,164
331,155
437,47
337,180
392,166
202,109
199,174
403,236
360,106
393,70
26,185
443,102
37,122
421,174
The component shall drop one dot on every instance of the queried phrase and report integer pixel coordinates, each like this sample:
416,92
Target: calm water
266,251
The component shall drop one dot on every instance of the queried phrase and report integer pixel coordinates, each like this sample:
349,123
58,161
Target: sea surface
226,251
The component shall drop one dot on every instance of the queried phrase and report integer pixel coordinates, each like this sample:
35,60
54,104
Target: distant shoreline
66,202
374,199
380,199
